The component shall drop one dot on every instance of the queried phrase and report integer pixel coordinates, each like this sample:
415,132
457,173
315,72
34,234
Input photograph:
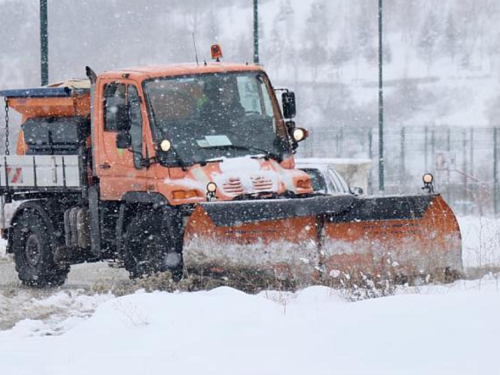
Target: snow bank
228,332
44,311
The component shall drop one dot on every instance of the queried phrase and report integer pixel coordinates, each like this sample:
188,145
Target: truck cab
172,130
114,167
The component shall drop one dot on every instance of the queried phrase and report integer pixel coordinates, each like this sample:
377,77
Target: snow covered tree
316,37
450,40
365,32
428,39
281,36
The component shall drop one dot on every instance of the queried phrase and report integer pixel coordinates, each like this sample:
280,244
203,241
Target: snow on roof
55,90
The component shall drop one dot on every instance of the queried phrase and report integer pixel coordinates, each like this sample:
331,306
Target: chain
7,126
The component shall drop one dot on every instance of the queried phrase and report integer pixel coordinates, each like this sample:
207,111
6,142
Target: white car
324,178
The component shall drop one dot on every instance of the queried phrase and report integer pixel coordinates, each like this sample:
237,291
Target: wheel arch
131,208
133,204
37,206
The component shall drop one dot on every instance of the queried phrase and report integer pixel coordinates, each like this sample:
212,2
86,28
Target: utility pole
255,31
44,43
381,186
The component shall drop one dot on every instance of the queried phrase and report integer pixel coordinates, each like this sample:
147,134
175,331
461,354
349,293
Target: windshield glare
214,115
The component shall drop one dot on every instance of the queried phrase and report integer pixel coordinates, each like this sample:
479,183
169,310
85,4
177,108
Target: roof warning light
216,52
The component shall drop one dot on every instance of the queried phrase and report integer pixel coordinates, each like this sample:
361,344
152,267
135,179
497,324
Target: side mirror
288,101
123,140
122,118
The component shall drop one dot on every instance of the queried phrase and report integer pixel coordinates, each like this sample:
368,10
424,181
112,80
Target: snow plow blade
308,239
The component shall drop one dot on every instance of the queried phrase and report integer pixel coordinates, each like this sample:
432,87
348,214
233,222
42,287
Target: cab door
121,112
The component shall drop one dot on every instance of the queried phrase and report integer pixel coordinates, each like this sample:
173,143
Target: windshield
210,116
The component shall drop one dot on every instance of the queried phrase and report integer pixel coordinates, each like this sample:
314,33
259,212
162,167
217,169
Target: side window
267,102
114,105
249,94
135,117
122,105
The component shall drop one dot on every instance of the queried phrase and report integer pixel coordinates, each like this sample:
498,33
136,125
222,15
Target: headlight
299,134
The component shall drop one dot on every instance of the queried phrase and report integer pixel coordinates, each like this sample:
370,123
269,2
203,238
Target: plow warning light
216,52
428,179
211,189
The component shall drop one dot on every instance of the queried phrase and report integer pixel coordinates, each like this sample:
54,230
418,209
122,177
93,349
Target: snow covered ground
434,330
430,329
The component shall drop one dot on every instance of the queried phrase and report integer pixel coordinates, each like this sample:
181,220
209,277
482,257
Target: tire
149,248
33,252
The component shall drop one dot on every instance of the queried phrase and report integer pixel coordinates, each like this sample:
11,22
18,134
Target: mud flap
309,238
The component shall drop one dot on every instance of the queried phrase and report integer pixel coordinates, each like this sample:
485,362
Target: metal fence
464,160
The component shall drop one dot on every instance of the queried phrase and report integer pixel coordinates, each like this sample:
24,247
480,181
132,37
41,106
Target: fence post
464,167
495,175
402,170
448,172
433,146
341,152
337,142
425,151
370,156
471,157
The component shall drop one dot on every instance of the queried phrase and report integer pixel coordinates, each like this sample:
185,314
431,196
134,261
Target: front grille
233,186
262,184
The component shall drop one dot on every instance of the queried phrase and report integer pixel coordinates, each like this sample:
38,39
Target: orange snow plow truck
184,167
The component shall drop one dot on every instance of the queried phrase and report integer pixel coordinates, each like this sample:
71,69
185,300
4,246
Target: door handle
105,166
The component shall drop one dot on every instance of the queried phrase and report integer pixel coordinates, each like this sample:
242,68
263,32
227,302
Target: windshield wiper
267,154
205,162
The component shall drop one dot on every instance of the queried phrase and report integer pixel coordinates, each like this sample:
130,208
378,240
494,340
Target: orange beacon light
216,52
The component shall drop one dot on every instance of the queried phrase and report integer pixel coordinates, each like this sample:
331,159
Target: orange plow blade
308,239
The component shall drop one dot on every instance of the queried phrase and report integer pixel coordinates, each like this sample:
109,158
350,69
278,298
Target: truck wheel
149,249
33,252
